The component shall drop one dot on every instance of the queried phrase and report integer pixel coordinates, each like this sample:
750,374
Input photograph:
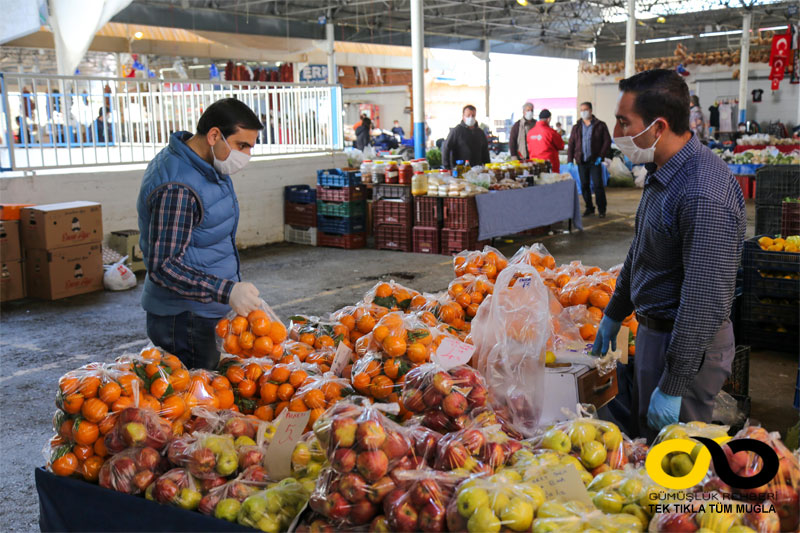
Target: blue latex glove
598,161
664,410
606,333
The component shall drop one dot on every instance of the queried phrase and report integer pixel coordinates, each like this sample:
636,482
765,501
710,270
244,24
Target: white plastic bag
118,277
617,168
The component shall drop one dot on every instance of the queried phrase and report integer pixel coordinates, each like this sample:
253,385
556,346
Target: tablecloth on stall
784,148
744,170
67,504
572,168
516,210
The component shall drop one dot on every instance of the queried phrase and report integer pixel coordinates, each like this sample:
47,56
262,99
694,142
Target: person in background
559,129
741,131
188,215
680,272
518,136
102,128
544,142
466,142
589,143
363,132
697,123
398,130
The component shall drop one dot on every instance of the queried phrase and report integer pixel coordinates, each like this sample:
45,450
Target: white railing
50,122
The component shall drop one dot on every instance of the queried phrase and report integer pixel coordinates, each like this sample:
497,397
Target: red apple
459,423
361,512
210,482
473,440
493,454
124,468
464,376
425,445
343,432
336,507
415,378
677,523
344,460
455,456
320,526
143,479
412,400
373,465
787,506
147,459
396,445
353,487
255,473
477,397
454,404
250,456
380,489
165,490
380,525
425,491
436,420
432,398
392,500
370,435
432,518
511,447
404,518
455,522
442,383
202,461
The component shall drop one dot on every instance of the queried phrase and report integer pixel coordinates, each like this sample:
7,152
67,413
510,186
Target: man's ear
213,135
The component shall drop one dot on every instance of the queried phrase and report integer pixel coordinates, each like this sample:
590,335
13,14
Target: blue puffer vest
212,248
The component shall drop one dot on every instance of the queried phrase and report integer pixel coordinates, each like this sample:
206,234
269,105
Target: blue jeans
188,336
592,177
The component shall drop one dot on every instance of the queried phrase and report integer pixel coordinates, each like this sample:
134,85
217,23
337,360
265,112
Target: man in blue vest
188,214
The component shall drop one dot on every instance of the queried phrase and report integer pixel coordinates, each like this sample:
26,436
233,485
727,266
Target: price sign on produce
563,484
452,353
291,426
343,356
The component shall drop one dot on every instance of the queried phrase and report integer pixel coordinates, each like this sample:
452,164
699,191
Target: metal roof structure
556,28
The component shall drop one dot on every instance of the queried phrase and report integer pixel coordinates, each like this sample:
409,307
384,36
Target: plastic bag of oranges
469,292
259,334
162,380
358,319
245,377
317,333
318,394
488,262
535,255
510,333
276,389
390,295
379,379
399,335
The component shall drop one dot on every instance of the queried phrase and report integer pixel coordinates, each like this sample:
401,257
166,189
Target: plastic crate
426,240
768,219
341,194
776,182
300,194
761,284
458,240
336,177
300,214
756,258
768,336
349,242
386,191
738,382
300,234
747,184
391,237
783,311
340,225
460,213
341,209
394,212
790,219
428,211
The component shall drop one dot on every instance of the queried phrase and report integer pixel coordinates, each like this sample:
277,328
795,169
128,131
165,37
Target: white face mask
235,161
637,155
742,129
469,121
528,115
586,115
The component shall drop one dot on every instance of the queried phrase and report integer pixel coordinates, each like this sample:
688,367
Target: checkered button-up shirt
684,256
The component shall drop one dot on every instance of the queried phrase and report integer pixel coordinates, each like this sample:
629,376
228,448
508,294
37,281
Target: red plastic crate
341,194
348,242
460,213
426,240
458,240
748,186
300,214
393,212
428,211
390,237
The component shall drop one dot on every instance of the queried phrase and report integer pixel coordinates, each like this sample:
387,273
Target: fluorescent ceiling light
138,35
522,2
719,33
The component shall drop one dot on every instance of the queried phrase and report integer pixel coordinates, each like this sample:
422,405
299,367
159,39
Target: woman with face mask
466,142
518,136
188,213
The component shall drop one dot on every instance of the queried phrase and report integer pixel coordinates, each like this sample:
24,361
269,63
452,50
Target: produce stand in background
784,148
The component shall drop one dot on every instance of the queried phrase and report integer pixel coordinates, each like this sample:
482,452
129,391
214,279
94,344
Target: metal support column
486,49
331,63
630,40
744,66
418,76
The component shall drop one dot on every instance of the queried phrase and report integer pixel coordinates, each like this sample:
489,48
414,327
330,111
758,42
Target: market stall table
513,211
783,148
572,168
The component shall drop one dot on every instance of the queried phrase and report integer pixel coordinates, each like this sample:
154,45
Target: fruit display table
514,211
783,148
67,504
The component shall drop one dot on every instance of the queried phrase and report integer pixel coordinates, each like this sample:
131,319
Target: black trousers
188,336
592,176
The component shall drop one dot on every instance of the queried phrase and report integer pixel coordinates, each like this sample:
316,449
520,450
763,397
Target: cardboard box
47,227
54,274
11,211
566,385
126,242
10,248
12,282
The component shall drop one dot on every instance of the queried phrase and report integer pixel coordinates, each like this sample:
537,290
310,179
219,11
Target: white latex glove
244,298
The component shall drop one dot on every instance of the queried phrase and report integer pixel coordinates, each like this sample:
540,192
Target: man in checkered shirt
680,272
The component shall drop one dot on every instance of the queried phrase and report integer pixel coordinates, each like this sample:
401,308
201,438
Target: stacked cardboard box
12,280
63,249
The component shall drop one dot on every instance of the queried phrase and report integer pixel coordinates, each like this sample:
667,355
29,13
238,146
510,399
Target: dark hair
544,113
102,111
470,107
228,114
660,93
587,104
695,99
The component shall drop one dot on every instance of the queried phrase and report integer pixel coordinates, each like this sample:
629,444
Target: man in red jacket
544,142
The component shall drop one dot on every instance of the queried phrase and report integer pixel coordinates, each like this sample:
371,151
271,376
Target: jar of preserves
420,165
378,172
392,172
419,184
406,173
366,171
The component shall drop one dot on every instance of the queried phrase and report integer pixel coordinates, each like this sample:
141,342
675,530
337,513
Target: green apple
535,493
695,452
269,432
557,525
274,503
301,456
635,509
609,501
227,509
244,440
631,489
741,529
581,433
317,453
612,478
555,439
593,454
626,523
522,456
254,506
217,443
551,509
586,477
507,476
269,524
499,499
189,499
673,431
228,463
665,463
612,438
651,496
571,460
470,500
313,469
716,521
518,514
680,464
483,521
552,458
308,485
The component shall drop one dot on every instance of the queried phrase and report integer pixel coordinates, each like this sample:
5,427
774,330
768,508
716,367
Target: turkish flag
781,48
778,68
776,84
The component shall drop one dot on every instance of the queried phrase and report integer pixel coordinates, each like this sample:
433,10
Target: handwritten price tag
563,484
342,358
291,426
453,352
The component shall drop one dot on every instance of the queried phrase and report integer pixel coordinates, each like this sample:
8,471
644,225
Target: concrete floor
39,341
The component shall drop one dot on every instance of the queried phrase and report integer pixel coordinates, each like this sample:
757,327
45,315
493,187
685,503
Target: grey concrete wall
259,188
